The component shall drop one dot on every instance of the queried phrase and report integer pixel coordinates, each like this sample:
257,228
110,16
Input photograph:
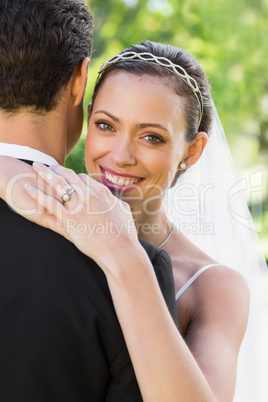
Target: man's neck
46,133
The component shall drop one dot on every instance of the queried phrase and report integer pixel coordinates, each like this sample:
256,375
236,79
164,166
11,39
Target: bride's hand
14,174
97,222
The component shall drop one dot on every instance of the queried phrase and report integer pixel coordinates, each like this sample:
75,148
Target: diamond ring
67,194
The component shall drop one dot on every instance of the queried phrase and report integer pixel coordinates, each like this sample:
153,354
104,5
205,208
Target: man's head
41,42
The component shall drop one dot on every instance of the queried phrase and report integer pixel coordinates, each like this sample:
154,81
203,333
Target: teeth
119,180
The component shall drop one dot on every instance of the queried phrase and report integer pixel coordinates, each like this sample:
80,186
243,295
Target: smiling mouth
118,180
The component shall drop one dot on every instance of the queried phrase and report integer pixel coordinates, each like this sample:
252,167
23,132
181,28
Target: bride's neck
152,227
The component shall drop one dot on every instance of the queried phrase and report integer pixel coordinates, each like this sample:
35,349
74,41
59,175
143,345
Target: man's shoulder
44,252
56,305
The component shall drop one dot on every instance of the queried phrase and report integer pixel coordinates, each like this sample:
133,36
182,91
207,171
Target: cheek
161,165
167,169
159,171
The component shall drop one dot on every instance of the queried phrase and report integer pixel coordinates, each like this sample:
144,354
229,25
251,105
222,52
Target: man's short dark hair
41,42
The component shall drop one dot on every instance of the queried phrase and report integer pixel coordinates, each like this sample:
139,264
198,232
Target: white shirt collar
26,153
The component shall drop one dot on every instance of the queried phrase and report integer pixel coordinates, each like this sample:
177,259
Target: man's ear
78,81
194,150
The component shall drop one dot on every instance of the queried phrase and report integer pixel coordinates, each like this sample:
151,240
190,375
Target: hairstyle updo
179,57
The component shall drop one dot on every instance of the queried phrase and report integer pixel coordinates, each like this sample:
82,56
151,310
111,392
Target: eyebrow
141,125
145,125
109,115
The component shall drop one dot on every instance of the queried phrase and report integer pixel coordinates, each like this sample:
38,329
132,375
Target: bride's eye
104,126
154,139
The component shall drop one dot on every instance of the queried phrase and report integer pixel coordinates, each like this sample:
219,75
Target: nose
123,154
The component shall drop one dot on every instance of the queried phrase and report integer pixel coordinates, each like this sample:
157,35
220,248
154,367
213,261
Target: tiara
164,62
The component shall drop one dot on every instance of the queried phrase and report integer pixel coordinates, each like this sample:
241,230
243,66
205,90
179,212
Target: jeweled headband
164,62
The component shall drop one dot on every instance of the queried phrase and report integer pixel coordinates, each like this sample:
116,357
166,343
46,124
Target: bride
149,123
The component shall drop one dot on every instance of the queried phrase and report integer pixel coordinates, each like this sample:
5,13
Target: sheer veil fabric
208,205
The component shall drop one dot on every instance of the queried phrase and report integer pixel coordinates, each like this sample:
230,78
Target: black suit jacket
60,339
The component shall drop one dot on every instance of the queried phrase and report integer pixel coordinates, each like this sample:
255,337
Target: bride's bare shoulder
217,288
188,260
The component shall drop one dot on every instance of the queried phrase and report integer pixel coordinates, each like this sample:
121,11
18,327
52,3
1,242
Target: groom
60,339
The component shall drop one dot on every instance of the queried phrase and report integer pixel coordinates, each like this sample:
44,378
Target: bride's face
136,136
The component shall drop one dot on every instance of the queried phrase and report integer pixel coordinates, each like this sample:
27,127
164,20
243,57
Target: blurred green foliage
229,38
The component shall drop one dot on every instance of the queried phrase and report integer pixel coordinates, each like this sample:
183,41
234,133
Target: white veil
208,205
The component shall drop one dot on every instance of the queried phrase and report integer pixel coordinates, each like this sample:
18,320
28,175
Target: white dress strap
192,279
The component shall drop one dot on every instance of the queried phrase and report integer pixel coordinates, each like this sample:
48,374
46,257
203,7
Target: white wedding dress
208,205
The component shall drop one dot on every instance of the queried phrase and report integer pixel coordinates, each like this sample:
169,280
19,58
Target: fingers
89,195
47,215
99,190
67,186
93,183
51,177
48,202
85,178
